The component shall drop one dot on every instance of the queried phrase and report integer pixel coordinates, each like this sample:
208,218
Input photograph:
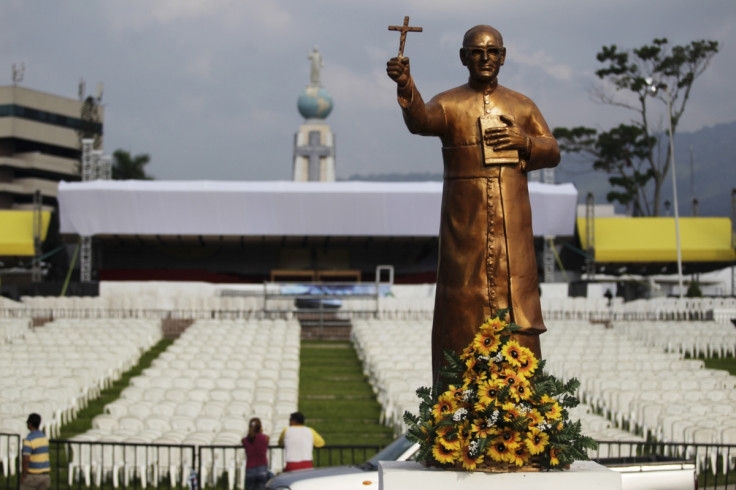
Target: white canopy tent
280,208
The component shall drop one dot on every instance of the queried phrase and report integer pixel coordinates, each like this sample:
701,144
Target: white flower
460,414
484,358
467,394
473,448
498,358
494,417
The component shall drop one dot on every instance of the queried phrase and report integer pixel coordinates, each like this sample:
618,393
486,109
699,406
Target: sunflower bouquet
497,410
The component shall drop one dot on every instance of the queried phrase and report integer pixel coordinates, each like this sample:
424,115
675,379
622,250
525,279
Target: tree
127,167
632,154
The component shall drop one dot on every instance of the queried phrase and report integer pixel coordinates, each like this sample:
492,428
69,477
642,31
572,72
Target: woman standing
256,464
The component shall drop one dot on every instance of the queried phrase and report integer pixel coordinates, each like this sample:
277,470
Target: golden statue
491,137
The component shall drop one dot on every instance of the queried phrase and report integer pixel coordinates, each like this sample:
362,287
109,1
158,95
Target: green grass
724,363
335,396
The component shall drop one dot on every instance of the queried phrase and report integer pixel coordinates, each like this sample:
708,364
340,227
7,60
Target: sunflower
498,451
486,342
487,393
521,390
511,412
528,363
445,405
470,364
535,418
494,324
512,353
536,440
510,437
471,457
455,392
553,461
468,352
554,412
483,428
444,455
450,439
519,456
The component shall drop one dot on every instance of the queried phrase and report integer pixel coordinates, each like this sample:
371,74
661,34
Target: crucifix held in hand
404,29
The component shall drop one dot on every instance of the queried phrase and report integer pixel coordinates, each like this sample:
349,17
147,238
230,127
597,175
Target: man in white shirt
298,441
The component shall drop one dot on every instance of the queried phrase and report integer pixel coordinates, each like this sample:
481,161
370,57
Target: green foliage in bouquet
497,410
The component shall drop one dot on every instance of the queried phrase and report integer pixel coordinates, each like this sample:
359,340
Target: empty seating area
13,329
641,386
397,360
202,391
55,369
694,338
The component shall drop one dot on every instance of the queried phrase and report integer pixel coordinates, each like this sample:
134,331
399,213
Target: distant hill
712,177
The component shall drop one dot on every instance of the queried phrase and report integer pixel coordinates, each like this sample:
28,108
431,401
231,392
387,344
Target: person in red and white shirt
298,441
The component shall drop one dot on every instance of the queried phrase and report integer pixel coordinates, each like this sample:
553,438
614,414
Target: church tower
314,144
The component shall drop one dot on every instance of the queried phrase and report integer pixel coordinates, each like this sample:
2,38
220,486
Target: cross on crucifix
404,29
314,151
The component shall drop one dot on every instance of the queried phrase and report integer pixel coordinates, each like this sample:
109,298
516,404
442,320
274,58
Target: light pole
653,89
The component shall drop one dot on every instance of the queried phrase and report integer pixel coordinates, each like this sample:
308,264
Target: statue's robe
486,251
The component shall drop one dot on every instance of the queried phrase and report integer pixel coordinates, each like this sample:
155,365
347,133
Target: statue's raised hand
398,70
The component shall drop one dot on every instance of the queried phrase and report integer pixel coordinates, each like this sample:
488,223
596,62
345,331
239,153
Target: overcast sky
208,88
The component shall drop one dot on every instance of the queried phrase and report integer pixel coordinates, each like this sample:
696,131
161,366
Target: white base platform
582,475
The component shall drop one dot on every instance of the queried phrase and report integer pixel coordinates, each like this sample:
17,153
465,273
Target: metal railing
112,464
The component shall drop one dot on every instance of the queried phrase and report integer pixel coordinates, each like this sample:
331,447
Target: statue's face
483,53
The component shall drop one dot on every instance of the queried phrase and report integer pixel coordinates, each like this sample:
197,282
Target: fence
77,463
108,464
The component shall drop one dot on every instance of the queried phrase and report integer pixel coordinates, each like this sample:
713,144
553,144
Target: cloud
543,61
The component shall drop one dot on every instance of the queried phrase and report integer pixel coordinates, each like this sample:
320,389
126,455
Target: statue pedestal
582,475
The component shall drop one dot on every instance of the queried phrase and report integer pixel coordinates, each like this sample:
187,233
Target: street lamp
652,87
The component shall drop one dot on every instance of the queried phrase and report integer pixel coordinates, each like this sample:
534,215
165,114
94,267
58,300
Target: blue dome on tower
315,103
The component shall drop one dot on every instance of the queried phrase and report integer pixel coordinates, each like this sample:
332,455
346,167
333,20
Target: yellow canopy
654,239
16,232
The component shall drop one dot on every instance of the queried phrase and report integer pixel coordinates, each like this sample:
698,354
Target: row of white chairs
641,386
203,390
39,374
694,338
11,329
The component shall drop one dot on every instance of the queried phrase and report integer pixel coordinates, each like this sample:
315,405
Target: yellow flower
512,412
481,428
450,439
445,405
535,418
444,455
512,353
486,342
469,459
498,451
546,399
536,440
519,456
528,363
553,461
487,393
554,412
510,437
494,324
468,352
520,390
455,392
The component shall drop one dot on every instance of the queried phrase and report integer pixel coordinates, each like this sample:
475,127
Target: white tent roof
278,208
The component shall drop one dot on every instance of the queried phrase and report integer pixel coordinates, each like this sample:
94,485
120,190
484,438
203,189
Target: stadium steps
335,395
